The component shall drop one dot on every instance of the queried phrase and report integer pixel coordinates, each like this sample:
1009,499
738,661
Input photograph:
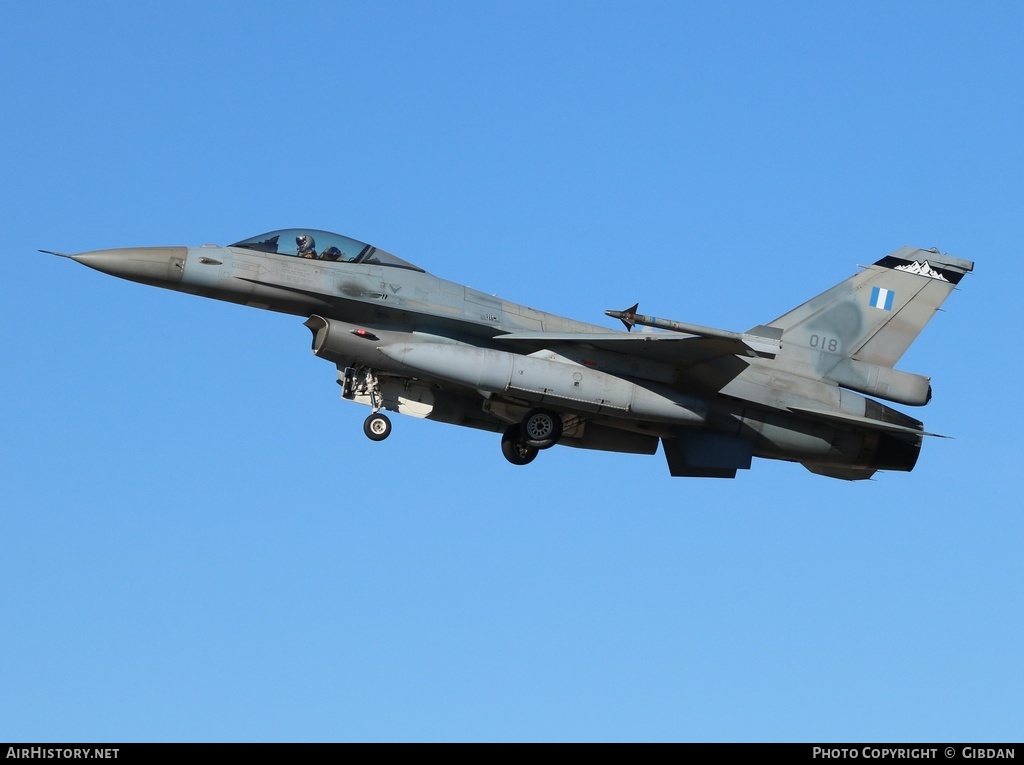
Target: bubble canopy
314,244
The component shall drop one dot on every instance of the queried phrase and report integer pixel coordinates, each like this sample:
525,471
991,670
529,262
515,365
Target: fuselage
441,333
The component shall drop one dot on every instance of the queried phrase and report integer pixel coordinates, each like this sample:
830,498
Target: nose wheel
377,426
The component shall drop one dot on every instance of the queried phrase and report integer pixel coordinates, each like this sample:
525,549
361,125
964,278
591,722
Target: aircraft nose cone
159,266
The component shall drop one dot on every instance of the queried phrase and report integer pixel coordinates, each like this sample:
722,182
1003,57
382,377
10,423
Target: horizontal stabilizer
861,422
842,473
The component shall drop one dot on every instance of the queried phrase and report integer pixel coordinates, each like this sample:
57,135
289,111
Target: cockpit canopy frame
316,244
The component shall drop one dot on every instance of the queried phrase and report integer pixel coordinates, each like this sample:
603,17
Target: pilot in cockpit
331,253
306,245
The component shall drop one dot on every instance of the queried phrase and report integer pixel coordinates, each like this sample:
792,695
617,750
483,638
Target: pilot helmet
305,242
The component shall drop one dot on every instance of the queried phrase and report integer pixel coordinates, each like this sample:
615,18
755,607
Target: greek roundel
882,298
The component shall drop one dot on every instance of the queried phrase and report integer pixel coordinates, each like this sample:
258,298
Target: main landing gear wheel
377,427
517,451
541,429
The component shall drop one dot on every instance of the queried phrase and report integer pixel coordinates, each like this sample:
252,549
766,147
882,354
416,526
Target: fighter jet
801,388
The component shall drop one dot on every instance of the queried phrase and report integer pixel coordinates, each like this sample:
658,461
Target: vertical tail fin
854,333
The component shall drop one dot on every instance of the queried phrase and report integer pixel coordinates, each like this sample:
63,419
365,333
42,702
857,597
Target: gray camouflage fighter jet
406,341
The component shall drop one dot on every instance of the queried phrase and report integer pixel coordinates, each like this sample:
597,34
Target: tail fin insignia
882,298
861,327
925,269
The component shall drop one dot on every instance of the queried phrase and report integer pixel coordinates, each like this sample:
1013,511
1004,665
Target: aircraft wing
665,347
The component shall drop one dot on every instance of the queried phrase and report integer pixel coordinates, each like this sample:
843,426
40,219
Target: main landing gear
539,429
515,449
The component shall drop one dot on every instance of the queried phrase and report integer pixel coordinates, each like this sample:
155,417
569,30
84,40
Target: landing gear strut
361,381
516,450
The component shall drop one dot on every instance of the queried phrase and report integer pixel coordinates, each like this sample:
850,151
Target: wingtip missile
627,317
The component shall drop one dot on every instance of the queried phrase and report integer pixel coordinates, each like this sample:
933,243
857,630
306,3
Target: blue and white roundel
881,298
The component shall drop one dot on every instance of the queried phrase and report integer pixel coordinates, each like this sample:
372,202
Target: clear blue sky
200,544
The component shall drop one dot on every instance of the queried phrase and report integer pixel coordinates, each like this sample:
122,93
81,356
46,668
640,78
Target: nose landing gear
377,426
361,382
